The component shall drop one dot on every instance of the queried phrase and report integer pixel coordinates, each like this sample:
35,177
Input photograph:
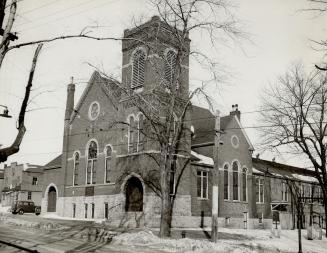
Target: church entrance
134,195
52,199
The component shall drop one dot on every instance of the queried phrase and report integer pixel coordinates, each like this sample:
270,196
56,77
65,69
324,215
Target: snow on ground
239,241
57,217
5,209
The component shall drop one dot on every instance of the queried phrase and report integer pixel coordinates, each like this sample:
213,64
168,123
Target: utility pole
215,181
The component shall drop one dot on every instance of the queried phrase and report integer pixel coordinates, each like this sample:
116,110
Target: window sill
199,198
86,185
260,202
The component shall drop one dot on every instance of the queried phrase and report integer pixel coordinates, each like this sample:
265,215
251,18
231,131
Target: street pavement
72,238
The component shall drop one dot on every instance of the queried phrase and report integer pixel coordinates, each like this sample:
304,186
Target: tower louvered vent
138,69
170,64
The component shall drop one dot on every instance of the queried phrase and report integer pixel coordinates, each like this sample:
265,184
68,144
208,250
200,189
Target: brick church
103,171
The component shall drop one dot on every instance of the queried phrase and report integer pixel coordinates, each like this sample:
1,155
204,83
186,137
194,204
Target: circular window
235,141
94,110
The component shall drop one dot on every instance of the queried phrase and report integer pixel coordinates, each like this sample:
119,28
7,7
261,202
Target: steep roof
203,122
282,170
110,87
54,163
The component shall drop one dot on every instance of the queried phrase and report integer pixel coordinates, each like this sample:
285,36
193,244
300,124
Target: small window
91,163
259,190
74,210
108,154
226,183
85,210
284,192
132,139
244,175
172,182
202,184
29,195
140,135
92,210
106,210
34,181
138,69
235,181
76,169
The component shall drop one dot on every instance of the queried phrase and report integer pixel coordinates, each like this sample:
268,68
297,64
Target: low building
22,182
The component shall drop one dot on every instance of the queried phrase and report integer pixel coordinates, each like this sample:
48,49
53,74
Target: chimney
235,111
70,99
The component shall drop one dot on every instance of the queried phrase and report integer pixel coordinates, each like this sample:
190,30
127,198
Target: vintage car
25,206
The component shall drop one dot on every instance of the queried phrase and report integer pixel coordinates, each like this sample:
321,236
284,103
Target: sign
89,191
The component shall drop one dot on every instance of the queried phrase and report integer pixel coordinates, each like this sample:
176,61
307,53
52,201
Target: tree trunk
165,220
322,225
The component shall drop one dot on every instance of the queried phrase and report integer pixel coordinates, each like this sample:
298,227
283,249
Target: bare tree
166,105
8,43
294,115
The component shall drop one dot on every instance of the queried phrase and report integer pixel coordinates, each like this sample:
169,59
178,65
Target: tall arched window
76,168
138,69
108,154
132,131
244,175
170,64
92,156
140,133
226,183
235,181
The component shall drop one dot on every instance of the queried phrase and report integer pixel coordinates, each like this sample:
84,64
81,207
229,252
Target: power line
67,16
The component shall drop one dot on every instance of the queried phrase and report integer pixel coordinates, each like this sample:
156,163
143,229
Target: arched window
76,168
226,183
107,161
138,69
92,156
170,64
235,181
140,133
245,184
132,131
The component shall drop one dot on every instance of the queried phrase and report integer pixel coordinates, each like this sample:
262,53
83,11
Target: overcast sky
280,38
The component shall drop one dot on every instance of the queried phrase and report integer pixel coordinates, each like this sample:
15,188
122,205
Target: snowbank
5,209
240,241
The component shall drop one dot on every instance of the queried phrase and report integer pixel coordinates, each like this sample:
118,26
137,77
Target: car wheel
21,212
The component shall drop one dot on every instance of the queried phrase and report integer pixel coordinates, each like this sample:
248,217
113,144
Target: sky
280,37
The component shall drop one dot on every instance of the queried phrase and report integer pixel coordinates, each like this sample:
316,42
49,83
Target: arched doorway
52,199
134,195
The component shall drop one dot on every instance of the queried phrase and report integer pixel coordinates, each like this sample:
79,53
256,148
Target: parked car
25,206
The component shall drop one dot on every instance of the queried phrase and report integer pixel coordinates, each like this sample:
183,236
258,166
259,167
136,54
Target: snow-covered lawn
239,241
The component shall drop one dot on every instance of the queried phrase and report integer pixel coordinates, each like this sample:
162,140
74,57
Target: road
66,240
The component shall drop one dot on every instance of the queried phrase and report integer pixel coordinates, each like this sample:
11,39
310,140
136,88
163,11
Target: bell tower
150,56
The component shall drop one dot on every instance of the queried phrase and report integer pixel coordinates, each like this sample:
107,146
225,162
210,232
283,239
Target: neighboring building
272,181
22,182
106,172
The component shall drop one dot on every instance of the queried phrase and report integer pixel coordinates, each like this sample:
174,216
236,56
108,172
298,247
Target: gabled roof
282,170
55,163
203,122
110,87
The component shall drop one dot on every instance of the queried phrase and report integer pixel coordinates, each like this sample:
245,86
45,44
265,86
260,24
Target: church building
105,170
